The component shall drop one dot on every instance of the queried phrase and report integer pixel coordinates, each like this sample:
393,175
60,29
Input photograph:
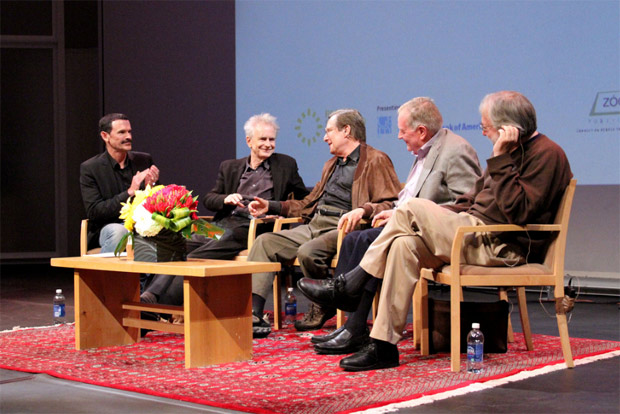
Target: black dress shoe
315,318
375,355
345,343
329,292
318,339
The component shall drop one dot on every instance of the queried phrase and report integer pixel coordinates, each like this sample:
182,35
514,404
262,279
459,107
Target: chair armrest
286,220
254,226
457,243
507,227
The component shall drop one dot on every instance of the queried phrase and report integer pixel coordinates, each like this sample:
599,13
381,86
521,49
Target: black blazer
102,194
284,172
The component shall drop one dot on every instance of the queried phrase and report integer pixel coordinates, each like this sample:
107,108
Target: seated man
265,174
110,178
446,166
525,179
358,182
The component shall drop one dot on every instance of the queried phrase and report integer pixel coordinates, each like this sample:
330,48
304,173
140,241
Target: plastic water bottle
290,307
475,349
59,308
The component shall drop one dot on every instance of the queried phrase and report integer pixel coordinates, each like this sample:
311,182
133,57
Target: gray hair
354,119
264,118
422,111
510,108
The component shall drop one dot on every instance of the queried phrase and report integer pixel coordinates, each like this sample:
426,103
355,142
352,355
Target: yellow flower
128,209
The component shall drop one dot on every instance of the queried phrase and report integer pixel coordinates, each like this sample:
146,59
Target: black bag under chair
492,317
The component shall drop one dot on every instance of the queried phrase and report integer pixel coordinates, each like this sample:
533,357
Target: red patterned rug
285,375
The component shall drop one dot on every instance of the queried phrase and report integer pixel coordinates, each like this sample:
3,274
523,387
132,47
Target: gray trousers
419,235
314,244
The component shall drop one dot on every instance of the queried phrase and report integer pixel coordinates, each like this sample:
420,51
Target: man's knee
261,248
305,253
111,235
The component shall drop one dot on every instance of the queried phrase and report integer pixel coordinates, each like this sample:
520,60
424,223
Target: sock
356,323
355,280
258,305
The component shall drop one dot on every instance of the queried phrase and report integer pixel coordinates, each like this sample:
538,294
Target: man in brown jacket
358,182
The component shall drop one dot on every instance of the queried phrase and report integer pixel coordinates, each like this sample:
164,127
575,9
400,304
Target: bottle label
475,352
290,309
59,311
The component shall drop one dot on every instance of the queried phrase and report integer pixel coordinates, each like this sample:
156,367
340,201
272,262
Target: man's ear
104,136
424,130
248,140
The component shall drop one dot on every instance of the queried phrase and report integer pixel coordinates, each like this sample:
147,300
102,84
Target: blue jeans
110,235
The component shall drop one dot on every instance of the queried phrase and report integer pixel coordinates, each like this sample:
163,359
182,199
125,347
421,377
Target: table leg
218,319
98,299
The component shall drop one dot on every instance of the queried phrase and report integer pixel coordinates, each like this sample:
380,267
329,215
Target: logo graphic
309,127
384,125
606,103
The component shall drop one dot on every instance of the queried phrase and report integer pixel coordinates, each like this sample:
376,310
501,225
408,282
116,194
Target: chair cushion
531,268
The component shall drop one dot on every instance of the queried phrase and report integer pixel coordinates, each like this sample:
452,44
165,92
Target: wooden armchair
277,281
84,240
457,275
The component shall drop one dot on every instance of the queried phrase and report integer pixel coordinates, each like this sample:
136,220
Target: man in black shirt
110,178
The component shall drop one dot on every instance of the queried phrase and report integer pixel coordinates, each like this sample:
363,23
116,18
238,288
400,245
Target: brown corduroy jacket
375,186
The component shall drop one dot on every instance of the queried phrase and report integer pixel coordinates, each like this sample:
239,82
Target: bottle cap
58,291
475,325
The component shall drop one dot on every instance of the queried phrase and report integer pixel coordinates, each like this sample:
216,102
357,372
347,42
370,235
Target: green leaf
122,244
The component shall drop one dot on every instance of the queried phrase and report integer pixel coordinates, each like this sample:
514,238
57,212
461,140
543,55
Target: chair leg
503,295
421,290
525,319
375,304
565,340
417,317
277,303
456,295
340,318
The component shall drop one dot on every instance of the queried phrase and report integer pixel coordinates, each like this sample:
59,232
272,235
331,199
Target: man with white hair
266,174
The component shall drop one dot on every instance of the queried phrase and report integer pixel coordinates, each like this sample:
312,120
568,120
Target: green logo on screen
309,127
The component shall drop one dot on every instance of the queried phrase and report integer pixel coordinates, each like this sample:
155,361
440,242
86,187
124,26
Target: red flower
170,197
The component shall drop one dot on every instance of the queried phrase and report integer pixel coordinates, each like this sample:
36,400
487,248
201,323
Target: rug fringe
25,328
427,399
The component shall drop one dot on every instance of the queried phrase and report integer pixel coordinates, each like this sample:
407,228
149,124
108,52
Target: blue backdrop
299,60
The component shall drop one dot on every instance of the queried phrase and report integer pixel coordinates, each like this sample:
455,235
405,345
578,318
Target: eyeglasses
485,127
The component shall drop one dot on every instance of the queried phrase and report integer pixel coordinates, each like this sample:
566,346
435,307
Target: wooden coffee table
217,297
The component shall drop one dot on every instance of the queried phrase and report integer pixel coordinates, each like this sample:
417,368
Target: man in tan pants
523,183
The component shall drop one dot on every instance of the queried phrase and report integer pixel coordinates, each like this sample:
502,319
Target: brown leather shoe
315,318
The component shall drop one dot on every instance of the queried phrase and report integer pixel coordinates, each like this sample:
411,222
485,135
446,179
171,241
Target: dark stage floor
26,293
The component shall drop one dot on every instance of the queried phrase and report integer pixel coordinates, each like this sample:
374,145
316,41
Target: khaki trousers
419,235
314,244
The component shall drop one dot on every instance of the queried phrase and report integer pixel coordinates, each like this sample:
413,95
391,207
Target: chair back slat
554,258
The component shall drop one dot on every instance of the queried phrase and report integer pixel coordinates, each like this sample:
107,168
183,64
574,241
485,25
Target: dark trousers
169,289
353,248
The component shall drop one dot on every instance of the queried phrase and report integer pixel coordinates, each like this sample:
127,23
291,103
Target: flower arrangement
169,207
